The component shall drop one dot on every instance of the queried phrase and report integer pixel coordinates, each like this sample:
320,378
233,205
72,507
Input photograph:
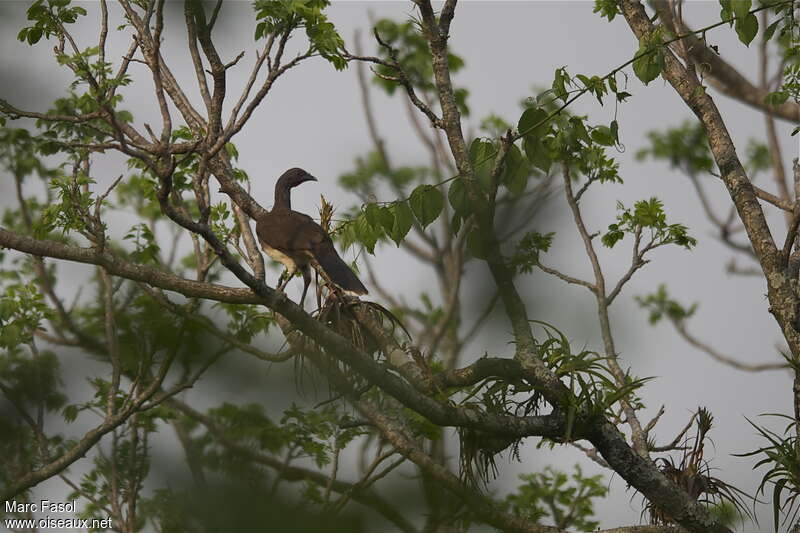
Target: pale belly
281,257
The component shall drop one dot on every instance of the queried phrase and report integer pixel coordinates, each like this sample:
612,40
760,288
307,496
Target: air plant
692,473
783,456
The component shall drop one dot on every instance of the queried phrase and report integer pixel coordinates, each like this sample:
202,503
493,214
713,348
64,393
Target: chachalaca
296,241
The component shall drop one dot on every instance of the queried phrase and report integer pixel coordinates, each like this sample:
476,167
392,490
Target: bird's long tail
337,270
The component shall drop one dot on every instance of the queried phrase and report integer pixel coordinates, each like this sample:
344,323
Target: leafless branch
680,327
565,277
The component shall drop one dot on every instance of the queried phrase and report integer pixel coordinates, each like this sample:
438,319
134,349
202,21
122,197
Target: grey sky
313,118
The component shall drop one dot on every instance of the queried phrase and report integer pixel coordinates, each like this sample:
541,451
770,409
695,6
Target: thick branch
117,266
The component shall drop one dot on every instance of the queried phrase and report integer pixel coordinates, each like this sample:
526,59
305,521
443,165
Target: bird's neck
283,197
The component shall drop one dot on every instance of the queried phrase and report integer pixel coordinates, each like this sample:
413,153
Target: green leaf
11,335
537,153
515,174
649,61
532,123
649,213
386,217
614,235
741,7
770,31
455,223
457,195
579,129
603,135
726,13
7,308
70,412
481,154
559,84
776,500
261,28
372,212
34,35
607,8
403,219
747,28
426,203
529,248
622,96
366,234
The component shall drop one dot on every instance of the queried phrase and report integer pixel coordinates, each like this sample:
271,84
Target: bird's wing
290,232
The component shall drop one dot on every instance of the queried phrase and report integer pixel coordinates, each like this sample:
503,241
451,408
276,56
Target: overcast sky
313,118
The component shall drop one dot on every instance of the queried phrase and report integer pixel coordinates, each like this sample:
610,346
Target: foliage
284,16
648,216
22,312
659,305
684,146
48,17
566,501
528,250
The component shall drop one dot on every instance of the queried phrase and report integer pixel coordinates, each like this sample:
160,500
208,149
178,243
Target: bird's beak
311,178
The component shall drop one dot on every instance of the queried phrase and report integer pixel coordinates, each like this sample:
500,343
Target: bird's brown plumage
296,241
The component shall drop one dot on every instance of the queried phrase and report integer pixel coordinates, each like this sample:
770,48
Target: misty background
313,118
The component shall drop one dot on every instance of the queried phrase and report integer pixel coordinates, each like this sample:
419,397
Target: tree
161,316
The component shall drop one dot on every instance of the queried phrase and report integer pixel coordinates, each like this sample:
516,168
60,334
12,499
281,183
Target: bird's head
294,177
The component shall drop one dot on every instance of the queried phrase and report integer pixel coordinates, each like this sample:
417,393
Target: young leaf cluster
281,17
598,86
71,211
48,17
528,249
146,248
660,305
648,215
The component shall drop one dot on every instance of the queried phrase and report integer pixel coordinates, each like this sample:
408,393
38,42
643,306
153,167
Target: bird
296,241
